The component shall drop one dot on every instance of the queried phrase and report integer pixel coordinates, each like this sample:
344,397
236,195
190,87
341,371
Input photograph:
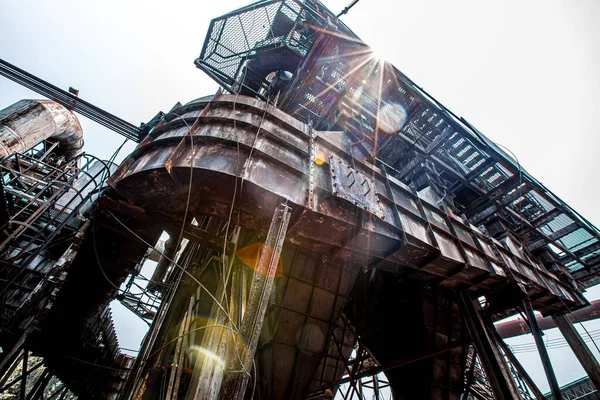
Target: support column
11,360
496,371
236,379
539,342
581,350
22,392
522,372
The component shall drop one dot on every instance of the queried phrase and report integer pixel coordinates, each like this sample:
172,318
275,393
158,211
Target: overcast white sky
526,73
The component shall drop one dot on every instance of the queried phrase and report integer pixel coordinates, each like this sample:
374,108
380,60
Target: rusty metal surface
246,147
247,154
517,326
236,379
353,186
384,195
28,122
341,84
269,151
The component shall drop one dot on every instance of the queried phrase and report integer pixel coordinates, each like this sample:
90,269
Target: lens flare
209,355
358,92
392,117
250,254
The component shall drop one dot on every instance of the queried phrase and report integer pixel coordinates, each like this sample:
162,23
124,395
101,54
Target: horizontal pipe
517,326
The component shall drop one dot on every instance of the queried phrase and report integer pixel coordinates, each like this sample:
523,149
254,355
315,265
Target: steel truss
136,296
364,381
361,375
44,215
43,210
338,83
477,386
73,102
27,377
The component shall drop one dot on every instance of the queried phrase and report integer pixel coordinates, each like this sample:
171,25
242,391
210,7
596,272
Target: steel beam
515,362
539,341
70,101
22,391
10,361
236,379
496,372
581,350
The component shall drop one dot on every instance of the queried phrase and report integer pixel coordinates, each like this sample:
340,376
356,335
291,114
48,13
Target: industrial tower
333,230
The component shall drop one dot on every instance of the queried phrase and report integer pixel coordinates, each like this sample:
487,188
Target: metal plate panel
353,186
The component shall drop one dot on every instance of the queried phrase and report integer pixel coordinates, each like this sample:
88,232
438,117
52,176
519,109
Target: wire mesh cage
237,38
244,47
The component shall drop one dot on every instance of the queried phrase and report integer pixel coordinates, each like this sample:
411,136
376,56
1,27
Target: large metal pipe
518,326
164,262
28,122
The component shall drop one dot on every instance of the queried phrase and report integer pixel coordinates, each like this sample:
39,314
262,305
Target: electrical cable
103,272
226,313
551,343
102,178
237,166
189,332
581,324
233,201
190,134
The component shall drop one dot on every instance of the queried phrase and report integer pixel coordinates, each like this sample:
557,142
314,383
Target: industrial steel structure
333,230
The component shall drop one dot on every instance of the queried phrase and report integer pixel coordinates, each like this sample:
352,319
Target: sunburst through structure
321,227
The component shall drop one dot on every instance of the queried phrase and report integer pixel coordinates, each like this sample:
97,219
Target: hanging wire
102,178
551,343
180,238
97,365
225,274
235,99
184,271
581,324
